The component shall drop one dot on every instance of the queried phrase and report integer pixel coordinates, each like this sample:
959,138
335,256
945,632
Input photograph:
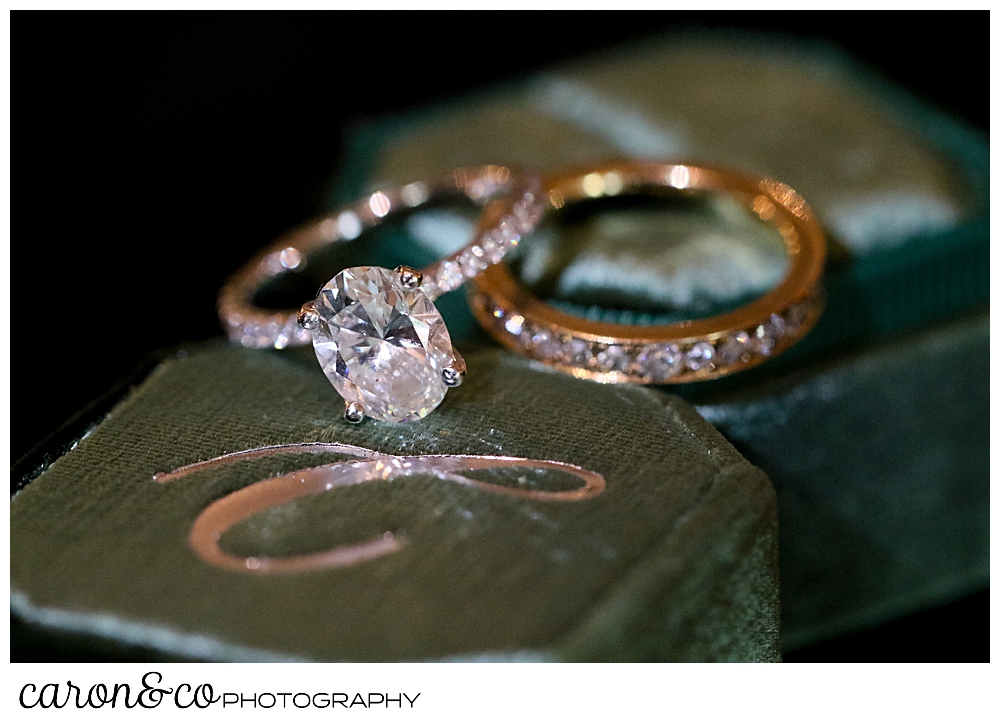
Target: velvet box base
675,559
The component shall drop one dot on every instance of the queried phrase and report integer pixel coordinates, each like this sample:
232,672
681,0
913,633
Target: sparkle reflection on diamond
381,345
762,340
545,345
514,324
660,362
700,356
614,358
735,348
578,352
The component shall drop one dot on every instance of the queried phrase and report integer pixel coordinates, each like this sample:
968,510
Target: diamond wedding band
376,332
680,352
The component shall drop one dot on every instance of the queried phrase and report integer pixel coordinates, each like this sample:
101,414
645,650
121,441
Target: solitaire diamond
381,345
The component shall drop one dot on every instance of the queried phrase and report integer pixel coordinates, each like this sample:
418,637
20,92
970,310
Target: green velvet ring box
674,559
872,430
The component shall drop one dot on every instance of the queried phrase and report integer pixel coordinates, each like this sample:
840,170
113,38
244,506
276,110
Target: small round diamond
795,317
736,348
514,324
349,225
472,263
450,276
493,249
660,362
430,288
527,213
762,340
414,194
290,258
259,336
700,356
577,351
545,345
614,358
508,229
777,325
285,335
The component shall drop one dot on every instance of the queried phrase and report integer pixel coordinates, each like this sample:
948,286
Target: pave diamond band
376,332
643,361
674,353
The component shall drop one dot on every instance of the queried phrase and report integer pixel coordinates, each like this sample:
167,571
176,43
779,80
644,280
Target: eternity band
680,352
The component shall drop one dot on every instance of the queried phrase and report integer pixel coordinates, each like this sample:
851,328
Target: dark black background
155,151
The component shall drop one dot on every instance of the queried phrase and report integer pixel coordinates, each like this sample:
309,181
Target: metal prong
452,377
409,277
308,318
353,412
454,374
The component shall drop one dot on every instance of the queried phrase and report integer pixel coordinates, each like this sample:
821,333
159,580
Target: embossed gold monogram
237,506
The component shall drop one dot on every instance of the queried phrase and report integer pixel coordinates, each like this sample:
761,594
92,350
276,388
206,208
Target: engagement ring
376,332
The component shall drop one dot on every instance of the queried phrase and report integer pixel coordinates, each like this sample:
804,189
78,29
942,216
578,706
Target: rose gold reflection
763,208
237,506
500,174
270,451
786,196
791,237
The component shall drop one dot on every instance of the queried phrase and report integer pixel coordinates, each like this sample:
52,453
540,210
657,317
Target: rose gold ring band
514,206
680,352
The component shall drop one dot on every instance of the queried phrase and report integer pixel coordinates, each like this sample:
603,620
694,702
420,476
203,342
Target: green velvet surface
881,464
676,560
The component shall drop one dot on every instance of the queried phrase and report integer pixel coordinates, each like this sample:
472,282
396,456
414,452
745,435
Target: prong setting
452,377
454,374
308,318
354,412
409,277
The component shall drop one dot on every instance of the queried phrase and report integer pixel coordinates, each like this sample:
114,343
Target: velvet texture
675,560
